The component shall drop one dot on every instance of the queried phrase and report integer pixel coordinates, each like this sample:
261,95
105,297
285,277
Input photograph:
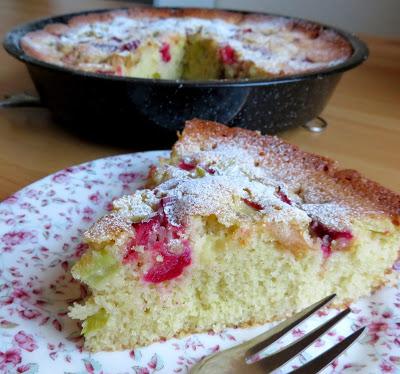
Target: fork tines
324,359
277,359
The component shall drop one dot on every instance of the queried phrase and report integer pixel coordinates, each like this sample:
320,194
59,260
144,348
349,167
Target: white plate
40,231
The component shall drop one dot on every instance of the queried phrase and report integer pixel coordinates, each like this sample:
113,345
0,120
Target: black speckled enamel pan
131,107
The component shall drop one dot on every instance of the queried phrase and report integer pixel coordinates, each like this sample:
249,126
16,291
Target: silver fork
243,358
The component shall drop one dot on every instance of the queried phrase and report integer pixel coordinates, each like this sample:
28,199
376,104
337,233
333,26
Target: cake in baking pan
194,44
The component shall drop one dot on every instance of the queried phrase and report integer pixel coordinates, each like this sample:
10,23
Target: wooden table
363,114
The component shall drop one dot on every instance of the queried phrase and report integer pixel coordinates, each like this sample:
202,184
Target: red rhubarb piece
227,55
327,235
172,266
253,204
155,236
143,230
130,255
188,166
284,197
165,52
130,46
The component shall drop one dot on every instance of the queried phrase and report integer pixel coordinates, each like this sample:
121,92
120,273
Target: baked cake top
239,175
276,45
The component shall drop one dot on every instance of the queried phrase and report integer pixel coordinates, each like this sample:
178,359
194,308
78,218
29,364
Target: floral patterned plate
40,231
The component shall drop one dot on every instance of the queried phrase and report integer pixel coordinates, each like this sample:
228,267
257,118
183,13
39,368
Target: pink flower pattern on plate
25,341
40,231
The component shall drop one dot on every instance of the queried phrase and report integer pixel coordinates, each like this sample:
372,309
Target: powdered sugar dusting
332,215
138,206
305,180
225,181
240,179
108,228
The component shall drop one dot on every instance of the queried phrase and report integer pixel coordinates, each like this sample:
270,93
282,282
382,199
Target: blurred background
377,17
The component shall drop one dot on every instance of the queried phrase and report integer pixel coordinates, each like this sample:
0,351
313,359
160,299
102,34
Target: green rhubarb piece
95,322
95,267
200,172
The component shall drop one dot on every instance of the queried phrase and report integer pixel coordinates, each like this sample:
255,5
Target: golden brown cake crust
148,12
232,17
32,44
328,45
95,17
318,179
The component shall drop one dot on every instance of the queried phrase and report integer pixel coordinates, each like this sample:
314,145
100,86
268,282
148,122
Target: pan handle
20,100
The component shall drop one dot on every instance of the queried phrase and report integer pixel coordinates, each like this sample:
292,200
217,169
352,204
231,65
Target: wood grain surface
363,114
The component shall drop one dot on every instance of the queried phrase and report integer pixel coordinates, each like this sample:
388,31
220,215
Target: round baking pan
123,106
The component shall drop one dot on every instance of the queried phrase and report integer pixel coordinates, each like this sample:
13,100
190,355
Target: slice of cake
234,229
